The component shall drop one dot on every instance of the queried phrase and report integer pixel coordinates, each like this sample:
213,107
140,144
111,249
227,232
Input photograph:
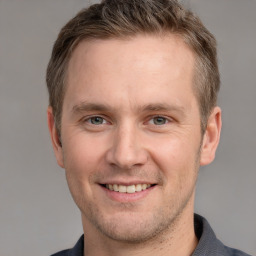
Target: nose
127,149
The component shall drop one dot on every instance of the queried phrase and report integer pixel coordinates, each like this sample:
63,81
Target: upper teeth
128,189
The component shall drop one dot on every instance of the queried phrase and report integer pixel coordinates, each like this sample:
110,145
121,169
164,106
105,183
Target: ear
211,137
54,137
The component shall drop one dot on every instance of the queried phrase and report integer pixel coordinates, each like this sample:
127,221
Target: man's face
130,121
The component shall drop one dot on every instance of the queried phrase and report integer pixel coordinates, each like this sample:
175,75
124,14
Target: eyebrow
153,107
162,107
86,107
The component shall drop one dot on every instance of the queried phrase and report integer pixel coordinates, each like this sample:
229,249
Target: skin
130,116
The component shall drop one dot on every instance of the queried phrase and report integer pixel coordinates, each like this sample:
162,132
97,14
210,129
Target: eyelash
151,119
165,119
89,120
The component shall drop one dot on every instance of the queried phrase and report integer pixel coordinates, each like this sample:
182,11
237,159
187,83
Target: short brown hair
127,18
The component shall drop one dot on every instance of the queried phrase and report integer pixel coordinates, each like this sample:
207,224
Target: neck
179,240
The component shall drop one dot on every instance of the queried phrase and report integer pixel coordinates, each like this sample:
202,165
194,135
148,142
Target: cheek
82,157
79,163
83,150
178,161
173,152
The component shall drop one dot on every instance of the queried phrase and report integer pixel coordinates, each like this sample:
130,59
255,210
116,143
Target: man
133,88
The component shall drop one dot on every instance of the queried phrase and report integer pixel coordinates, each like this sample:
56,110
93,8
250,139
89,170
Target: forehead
153,49
129,68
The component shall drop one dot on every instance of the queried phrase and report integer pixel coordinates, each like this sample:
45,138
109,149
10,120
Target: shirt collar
208,243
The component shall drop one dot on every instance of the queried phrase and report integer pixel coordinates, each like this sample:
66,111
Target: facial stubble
160,223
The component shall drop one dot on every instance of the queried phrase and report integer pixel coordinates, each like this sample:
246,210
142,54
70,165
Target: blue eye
159,120
96,120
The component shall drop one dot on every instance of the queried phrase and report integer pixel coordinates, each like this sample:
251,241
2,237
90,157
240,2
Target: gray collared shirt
208,244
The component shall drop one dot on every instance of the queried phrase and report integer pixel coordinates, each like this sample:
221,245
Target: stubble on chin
158,224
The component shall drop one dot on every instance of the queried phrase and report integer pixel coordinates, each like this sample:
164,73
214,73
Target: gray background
37,214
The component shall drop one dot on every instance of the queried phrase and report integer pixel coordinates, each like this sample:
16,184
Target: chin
133,228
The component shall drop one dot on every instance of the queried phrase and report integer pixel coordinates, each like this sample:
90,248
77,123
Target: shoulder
234,252
208,243
77,250
62,253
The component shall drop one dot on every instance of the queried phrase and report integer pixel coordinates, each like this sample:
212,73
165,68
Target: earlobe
211,137
57,147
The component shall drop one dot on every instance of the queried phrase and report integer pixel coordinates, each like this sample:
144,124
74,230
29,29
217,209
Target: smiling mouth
127,189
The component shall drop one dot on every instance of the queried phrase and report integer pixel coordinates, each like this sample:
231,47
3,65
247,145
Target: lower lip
127,197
